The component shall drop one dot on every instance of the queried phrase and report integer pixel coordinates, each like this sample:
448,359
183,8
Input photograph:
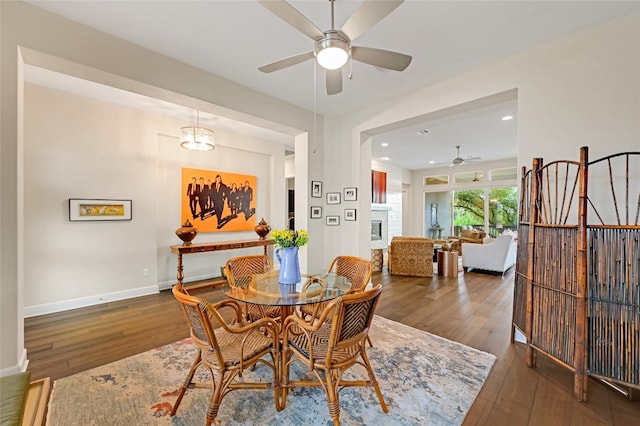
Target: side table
448,263
377,259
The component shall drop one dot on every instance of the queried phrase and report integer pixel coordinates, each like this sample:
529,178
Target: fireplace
376,230
379,228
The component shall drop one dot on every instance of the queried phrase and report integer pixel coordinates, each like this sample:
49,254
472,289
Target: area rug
425,379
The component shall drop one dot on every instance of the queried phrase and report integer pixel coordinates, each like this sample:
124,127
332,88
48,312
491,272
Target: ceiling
233,38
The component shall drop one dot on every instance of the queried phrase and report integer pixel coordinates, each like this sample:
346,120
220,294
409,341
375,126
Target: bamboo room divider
576,290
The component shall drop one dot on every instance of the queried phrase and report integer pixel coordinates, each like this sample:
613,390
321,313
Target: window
468,177
468,209
436,180
504,174
503,210
494,210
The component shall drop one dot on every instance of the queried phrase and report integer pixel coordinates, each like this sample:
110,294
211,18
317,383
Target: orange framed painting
216,201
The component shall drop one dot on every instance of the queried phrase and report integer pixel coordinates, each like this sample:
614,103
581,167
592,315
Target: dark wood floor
474,309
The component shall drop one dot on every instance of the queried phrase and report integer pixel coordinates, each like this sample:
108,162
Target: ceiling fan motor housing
333,39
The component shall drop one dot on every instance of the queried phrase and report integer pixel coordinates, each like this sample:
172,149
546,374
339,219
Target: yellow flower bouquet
287,238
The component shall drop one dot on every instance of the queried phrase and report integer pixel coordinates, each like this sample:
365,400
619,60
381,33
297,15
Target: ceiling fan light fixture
332,51
196,138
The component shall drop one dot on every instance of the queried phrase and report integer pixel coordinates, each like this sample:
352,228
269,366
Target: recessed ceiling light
507,118
384,144
385,158
432,162
422,132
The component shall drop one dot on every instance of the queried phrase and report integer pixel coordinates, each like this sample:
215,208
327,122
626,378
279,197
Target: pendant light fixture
197,138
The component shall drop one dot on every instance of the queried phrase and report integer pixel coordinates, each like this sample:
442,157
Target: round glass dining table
265,289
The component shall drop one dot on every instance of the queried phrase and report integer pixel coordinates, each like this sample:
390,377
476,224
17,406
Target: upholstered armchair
466,236
498,256
412,256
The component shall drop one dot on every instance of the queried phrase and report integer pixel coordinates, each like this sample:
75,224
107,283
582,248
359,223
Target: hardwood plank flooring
473,309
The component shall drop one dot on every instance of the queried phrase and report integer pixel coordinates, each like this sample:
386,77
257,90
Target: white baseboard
20,367
166,285
65,305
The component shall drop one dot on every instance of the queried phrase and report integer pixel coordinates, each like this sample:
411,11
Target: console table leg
180,271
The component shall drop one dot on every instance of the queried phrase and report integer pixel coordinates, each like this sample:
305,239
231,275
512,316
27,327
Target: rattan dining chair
356,269
239,272
226,349
332,345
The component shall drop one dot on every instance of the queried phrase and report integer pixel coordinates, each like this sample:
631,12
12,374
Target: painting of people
215,201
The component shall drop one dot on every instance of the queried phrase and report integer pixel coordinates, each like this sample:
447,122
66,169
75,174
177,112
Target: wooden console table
217,246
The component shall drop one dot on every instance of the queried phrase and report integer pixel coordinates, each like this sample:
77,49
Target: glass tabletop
264,289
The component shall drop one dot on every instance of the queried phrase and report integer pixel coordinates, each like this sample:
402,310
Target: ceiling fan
459,161
333,47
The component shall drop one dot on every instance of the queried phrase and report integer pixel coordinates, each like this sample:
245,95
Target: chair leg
187,382
216,395
373,380
332,396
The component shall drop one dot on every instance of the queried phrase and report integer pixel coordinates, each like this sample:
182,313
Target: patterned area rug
425,379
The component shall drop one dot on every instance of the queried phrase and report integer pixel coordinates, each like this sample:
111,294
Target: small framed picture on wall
333,220
350,214
351,194
316,212
316,189
333,198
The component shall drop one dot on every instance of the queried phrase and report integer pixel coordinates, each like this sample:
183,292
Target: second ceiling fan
333,47
459,161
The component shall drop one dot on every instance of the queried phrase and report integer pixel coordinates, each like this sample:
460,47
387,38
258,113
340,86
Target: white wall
77,147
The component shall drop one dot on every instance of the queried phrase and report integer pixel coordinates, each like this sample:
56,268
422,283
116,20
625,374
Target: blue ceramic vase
289,265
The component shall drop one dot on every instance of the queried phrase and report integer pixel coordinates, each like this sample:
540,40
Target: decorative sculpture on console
187,232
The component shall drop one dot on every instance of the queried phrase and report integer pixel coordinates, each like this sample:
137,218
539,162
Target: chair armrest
233,305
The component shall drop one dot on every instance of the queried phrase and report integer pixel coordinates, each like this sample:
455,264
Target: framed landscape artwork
84,209
216,201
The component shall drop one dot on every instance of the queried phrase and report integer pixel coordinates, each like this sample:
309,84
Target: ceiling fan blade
370,13
286,62
381,58
334,81
291,16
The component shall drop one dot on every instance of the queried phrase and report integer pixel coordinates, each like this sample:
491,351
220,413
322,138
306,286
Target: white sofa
497,256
